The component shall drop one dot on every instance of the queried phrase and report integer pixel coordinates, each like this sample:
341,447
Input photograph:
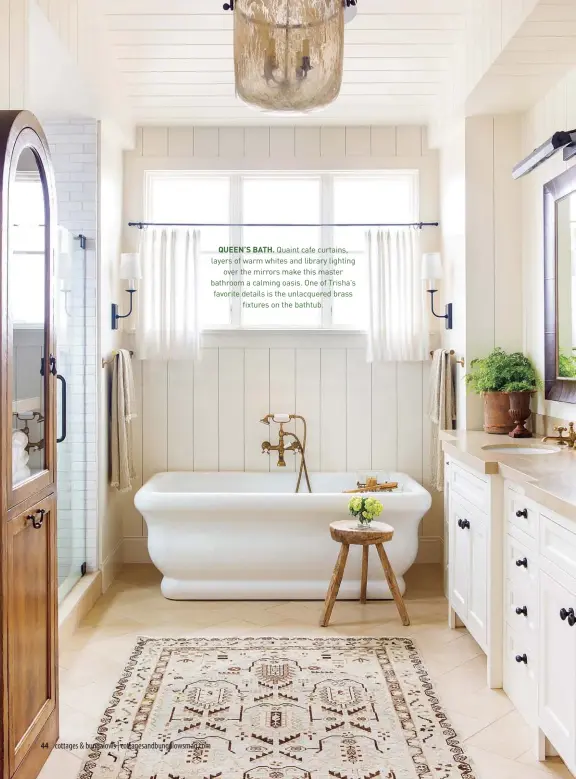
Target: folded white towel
123,412
442,411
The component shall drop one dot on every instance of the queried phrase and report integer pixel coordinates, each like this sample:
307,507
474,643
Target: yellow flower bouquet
365,510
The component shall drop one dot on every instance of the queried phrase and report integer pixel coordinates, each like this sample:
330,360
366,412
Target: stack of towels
20,469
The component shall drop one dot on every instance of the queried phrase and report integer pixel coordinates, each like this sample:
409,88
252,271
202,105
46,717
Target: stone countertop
549,479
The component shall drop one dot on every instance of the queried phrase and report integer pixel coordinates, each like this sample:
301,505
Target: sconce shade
130,266
432,266
288,54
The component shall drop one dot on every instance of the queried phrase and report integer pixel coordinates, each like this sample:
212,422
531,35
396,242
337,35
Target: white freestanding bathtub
249,536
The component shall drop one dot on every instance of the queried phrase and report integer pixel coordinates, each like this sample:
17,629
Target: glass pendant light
288,53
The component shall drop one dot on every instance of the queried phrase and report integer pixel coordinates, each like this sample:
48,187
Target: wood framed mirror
560,287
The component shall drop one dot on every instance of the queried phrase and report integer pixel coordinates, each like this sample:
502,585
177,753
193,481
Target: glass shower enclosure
70,319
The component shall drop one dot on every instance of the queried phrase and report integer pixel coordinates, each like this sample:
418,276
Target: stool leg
393,584
335,583
364,583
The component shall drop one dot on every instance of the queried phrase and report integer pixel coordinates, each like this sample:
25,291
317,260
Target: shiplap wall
206,416
13,53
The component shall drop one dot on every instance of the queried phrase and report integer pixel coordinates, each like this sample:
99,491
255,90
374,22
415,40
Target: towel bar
461,361
112,358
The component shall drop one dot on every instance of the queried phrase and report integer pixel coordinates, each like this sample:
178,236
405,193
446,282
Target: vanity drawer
521,565
520,678
558,545
521,512
469,486
523,600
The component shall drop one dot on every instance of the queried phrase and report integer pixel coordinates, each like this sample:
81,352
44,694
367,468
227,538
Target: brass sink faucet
297,446
570,442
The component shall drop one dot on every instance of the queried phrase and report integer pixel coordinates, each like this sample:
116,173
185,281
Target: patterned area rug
275,708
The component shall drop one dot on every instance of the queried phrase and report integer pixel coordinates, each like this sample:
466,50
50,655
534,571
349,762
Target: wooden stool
347,533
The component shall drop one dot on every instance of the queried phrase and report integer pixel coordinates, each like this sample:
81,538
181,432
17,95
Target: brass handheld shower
296,446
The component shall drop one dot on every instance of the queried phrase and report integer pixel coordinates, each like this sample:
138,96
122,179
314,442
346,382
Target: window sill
259,338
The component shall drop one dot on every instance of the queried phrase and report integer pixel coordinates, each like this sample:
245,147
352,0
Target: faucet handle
560,429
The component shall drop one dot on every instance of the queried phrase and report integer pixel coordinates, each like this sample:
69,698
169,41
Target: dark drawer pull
522,610
37,519
522,659
523,563
568,614
522,513
464,524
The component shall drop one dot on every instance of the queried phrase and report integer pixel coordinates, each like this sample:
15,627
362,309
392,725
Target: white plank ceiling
177,59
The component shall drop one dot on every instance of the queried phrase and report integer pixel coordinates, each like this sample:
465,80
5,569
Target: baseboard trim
78,603
135,550
111,566
430,550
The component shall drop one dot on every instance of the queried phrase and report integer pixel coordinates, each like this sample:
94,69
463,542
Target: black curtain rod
419,225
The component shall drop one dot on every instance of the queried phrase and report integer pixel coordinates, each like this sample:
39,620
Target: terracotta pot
519,413
496,413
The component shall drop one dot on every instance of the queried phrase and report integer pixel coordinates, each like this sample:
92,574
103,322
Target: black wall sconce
431,272
129,270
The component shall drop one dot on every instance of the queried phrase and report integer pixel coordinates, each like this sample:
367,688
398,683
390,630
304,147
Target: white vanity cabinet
557,644
511,579
474,551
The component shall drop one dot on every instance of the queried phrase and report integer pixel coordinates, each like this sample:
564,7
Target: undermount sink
520,449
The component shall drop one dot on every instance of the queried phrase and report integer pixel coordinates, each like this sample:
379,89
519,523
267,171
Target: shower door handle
63,408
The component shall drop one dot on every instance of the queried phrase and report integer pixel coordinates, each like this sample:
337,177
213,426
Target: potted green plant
507,381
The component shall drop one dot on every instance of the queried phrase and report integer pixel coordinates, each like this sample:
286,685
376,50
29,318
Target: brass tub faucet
570,442
297,446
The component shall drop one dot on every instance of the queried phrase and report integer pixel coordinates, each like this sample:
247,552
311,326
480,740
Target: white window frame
326,238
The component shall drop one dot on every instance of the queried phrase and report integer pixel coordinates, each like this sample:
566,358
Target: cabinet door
557,690
31,613
478,590
459,557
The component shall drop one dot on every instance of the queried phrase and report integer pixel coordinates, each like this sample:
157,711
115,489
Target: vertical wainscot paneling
231,409
154,418
410,412
282,392
358,405
180,415
256,406
333,428
384,416
308,402
206,426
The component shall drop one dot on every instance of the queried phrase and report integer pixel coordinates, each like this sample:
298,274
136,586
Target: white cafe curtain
168,322
397,329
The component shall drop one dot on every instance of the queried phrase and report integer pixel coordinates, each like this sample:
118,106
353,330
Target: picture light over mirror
563,139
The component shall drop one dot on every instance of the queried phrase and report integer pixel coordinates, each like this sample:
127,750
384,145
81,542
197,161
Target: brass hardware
112,358
297,446
38,418
461,361
570,442
37,523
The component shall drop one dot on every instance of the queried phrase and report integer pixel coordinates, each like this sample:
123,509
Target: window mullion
236,237
327,237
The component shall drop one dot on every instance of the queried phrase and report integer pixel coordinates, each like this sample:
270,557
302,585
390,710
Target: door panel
32,627
557,690
459,558
478,593
31,368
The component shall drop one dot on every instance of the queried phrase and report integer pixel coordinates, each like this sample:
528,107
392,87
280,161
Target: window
26,273
293,198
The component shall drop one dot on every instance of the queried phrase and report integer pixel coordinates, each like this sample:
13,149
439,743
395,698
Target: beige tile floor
495,736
